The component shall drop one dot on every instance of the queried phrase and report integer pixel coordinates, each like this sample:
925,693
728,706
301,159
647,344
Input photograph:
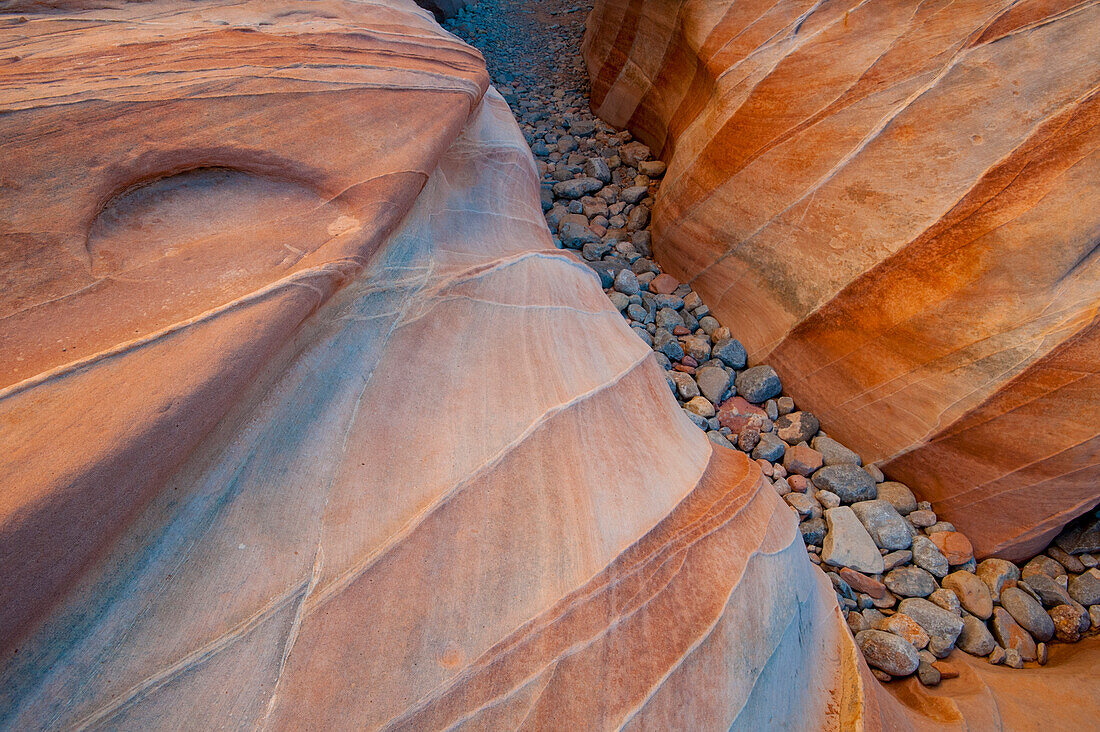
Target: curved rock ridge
194,180
306,424
896,204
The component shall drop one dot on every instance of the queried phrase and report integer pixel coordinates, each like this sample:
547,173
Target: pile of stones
907,582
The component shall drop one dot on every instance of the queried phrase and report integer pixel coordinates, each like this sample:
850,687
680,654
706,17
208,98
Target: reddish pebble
798,483
737,414
682,367
765,467
680,330
736,422
859,581
740,405
663,284
802,459
598,230
689,361
748,438
955,546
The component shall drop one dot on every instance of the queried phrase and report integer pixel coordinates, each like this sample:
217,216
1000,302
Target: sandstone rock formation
305,422
896,204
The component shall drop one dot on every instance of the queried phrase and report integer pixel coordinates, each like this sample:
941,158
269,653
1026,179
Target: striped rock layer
305,424
897,204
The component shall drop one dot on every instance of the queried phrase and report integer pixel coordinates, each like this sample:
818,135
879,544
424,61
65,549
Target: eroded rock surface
897,204
306,423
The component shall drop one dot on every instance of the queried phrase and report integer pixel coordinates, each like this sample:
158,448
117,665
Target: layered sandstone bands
306,422
895,204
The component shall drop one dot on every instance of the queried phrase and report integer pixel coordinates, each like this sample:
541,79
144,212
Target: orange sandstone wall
897,204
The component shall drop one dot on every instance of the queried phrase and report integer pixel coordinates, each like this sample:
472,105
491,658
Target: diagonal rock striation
306,421
896,203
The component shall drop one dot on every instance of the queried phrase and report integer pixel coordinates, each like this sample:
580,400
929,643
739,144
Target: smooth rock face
859,186
334,408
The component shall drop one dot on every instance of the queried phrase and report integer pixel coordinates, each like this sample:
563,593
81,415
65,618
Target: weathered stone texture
899,204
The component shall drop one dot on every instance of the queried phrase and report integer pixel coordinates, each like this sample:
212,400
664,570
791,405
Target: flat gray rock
897,495
813,531
770,448
1011,636
597,168
888,652
713,382
758,384
1050,593
1085,588
1081,536
634,194
896,559
730,351
1043,565
847,543
928,556
667,344
936,621
910,582
975,637
626,282
884,524
835,453
850,482
1027,611
685,385
577,187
